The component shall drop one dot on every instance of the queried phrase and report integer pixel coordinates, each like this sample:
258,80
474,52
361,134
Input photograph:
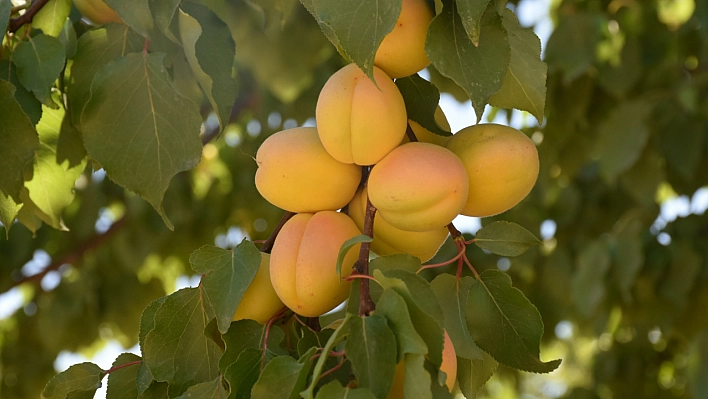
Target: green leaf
588,286
81,379
421,98
346,247
371,348
211,51
393,307
685,267
29,103
571,47
163,12
156,390
452,295
335,390
147,320
244,372
524,85
338,335
51,188
417,382
95,49
248,334
8,212
622,137
28,213
19,140
5,10
478,70
177,350
505,239
226,277
505,324
39,61
134,96
135,13
628,255
283,378
471,12
122,382
359,26
206,390
473,374
51,17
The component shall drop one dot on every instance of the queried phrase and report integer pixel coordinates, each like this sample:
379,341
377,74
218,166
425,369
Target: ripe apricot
425,135
304,258
502,166
297,174
97,11
402,51
418,187
449,366
259,302
389,240
358,122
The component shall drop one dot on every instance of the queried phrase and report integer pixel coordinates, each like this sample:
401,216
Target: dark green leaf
571,47
588,287
421,98
371,348
393,307
122,382
19,140
417,382
163,12
471,12
244,372
206,390
176,350
147,320
505,324
39,61
29,103
210,50
344,250
68,39
283,378
505,239
51,17
79,379
8,212
335,390
135,94
156,390
683,272
478,70
248,334
359,26
473,374
135,13
338,335
628,255
226,277
524,85
5,9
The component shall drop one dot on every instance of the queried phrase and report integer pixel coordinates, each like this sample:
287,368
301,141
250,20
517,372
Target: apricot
97,11
304,258
389,240
425,135
419,187
402,51
358,122
449,366
502,167
296,173
259,302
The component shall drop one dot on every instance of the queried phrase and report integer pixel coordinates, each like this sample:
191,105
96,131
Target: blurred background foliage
621,279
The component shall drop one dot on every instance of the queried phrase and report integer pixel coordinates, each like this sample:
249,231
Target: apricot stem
267,327
121,366
366,305
268,244
411,135
335,368
447,262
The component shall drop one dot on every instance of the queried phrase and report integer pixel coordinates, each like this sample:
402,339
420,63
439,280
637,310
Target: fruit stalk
268,244
366,305
411,135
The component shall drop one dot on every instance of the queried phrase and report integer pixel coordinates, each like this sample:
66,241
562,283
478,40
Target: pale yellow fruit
402,51
304,258
502,167
389,240
419,187
425,135
259,302
358,122
297,174
97,11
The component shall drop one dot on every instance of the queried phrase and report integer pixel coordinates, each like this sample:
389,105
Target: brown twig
26,18
268,244
453,231
366,305
313,323
411,135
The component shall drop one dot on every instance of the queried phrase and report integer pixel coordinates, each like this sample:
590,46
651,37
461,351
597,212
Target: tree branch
366,305
411,135
268,244
26,18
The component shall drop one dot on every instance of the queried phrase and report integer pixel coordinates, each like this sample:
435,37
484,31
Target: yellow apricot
418,187
259,302
389,240
502,166
402,51
304,258
358,122
449,366
97,11
425,135
297,174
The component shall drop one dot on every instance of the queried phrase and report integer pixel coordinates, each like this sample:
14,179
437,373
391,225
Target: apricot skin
425,135
259,302
402,51
449,366
97,11
502,166
297,174
389,240
358,122
304,258
418,187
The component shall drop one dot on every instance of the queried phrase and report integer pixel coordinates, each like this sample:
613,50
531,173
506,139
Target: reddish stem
447,262
268,244
365,277
122,366
333,369
268,325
